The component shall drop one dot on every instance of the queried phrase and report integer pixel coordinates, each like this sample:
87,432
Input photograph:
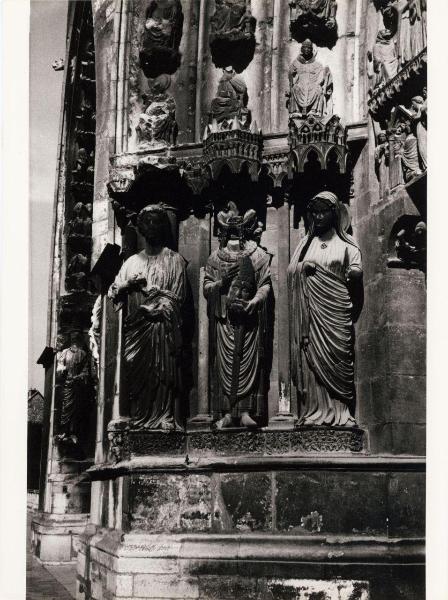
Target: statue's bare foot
167,425
247,421
226,421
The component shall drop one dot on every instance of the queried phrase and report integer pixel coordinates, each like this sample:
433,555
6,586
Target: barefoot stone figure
153,282
324,270
236,284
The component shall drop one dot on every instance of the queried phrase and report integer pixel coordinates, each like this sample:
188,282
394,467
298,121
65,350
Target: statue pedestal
282,421
242,515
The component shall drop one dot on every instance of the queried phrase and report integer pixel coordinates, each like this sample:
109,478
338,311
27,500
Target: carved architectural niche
407,243
159,47
314,19
157,127
232,34
327,142
237,284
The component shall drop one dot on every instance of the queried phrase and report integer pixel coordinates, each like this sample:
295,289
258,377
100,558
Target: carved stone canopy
326,140
235,147
314,19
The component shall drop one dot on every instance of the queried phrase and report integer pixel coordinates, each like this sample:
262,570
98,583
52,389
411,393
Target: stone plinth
54,537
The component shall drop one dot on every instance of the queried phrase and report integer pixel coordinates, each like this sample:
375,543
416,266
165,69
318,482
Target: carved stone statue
325,291
153,282
231,98
382,163
161,37
232,34
396,137
311,86
384,57
95,334
410,157
315,19
77,271
237,283
419,110
157,126
411,28
73,379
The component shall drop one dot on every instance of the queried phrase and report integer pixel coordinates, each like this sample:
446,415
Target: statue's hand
353,274
309,268
228,276
136,282
251,307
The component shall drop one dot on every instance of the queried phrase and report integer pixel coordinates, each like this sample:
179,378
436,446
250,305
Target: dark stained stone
246,500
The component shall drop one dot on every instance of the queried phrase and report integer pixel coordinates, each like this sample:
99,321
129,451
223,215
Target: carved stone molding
406,81
147,443
277,166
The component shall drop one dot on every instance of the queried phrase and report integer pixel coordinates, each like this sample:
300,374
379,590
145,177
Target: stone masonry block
165,586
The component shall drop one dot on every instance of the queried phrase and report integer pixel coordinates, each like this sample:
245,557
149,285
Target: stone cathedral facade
235,361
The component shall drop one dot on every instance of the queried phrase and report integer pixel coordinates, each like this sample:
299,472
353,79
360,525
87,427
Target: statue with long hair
153,282
325,291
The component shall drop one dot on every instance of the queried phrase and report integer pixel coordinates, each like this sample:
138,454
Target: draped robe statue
154,283
419,108
323,272
237,283
385,60
73,376
311,85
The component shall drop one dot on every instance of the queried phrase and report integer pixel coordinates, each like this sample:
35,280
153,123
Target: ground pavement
56,582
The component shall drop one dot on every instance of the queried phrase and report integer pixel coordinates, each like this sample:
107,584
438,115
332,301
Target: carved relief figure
73,378
77,271
161,37
382,163
396,137
157,125
315,19
384,56
237,284
411,27
231,98
231,18
324,271
153,282
419,111
311,85
409,157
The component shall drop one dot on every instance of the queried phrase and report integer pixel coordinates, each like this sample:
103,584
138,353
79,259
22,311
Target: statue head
307,49
154,225
382,138
323,212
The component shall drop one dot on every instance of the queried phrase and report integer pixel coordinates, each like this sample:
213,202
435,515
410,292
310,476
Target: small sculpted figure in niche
77,271
76,224
325,291
237,283
382,163
396,137
161,37
410,247
419,113
410,156
157,126
311,86
384,57
73,379
231,99
153,282
309,12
